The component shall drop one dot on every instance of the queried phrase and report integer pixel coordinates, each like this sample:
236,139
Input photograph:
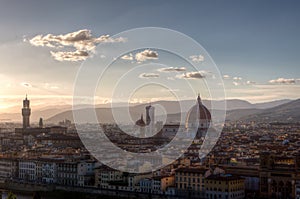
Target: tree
11,196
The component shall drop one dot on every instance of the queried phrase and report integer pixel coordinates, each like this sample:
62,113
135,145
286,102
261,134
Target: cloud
149,75
193,75
172,69
226,76
81,40
236,83
197,58
75,56
26,84
39,40
250,82
283,81
237,78
266,92
145,55
49,86
127,57
171,78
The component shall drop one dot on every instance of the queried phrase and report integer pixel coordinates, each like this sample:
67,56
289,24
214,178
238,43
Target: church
198,118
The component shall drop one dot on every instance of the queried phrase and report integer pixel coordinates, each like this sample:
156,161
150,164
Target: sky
254,44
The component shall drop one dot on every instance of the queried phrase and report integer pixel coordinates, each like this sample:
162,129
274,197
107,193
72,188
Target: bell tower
26,111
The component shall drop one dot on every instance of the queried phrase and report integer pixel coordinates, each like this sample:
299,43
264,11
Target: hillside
238,110
288,112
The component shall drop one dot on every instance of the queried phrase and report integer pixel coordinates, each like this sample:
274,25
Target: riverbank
55,195
62,192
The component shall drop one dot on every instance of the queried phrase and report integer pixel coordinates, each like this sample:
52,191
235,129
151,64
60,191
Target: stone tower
26,111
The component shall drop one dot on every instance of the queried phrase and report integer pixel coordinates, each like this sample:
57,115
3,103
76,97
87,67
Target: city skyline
150,99
255,47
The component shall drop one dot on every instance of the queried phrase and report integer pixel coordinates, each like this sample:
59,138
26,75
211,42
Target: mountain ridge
241,111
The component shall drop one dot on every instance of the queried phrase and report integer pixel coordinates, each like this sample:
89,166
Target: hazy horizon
42,106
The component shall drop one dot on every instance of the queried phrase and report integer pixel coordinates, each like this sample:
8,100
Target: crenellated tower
26,111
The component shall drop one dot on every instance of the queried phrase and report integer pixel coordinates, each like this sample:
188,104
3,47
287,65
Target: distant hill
237,110
288,112
271,104
237,114
35,114
38,112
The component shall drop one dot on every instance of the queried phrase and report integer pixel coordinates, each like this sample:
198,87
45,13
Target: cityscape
251,159
162,99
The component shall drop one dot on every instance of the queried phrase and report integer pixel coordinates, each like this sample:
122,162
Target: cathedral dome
199,116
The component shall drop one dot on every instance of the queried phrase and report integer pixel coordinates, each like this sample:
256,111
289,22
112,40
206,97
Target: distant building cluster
148,128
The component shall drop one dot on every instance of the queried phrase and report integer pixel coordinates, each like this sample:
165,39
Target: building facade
190,179
278,175
8,168
224,186
27,170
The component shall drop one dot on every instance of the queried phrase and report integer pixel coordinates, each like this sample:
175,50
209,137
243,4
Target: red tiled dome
198,113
